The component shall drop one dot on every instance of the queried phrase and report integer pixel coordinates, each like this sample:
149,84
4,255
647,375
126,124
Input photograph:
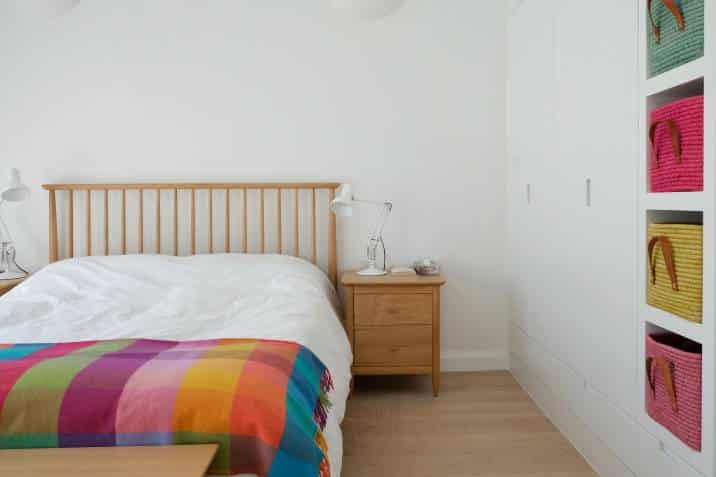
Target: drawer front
394,346
398,309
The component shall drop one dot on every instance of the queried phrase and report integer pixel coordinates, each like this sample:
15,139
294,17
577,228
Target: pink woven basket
676,133
673,386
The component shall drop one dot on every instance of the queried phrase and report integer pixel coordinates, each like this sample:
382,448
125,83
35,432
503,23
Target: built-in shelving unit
667,321
675,78
691,79
679,201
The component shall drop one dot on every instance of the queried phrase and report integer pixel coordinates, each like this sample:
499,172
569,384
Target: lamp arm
4,232
371,202
376,236
378,231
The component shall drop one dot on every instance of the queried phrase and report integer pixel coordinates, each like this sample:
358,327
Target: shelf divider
676,77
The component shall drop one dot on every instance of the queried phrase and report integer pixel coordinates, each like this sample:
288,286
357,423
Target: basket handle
668,253
674,11
675,139
666,366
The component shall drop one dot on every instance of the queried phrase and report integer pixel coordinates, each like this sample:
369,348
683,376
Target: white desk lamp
13,191
343,205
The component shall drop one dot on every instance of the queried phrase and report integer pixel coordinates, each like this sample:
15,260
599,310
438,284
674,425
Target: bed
202,290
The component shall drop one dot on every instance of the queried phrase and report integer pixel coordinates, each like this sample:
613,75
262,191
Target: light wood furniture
7,285
483,425
148,461
280,193
393,324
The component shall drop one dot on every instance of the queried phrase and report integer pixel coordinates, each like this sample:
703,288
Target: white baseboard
604,462
609,437
466,360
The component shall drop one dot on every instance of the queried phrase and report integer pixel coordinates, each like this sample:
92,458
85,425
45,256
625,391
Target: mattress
187,298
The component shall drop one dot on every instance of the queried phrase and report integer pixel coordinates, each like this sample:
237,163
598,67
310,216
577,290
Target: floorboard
482,425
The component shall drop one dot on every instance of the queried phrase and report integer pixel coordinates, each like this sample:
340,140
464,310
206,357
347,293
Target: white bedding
187,298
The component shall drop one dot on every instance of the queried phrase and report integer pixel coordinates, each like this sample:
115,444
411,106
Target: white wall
408,108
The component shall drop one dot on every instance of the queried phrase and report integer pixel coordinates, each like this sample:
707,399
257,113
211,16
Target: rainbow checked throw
264,402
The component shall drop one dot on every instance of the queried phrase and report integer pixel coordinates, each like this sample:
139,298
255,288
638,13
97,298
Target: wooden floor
482,425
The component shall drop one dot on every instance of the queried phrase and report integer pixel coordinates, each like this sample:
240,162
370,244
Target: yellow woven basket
675,274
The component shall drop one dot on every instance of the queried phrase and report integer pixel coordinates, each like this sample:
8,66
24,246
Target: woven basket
677,33
676,134
676,264
673,386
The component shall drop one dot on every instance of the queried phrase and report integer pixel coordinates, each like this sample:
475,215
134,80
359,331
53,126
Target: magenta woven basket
673,385
676,133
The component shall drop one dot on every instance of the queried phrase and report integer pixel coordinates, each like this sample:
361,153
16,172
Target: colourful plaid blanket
264,402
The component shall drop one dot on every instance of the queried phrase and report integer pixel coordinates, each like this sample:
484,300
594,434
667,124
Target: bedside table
7,285
393,324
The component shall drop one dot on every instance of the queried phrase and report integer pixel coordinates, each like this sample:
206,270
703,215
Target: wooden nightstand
7,285
393,324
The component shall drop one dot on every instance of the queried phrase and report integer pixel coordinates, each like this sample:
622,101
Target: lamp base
12,275
372,271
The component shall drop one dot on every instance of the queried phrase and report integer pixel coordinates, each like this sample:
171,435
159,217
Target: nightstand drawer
393,309
394,346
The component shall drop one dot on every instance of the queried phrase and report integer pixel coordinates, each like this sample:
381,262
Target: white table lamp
343,204
12,191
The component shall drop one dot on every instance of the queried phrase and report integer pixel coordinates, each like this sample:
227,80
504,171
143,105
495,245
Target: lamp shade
342,204
14,190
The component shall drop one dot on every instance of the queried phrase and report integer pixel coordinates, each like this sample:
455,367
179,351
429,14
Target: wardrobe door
519,175
530,138
596,126
612,168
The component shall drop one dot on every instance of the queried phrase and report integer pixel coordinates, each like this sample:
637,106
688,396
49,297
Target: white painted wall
408,108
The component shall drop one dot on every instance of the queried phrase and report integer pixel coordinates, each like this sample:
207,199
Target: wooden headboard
100,212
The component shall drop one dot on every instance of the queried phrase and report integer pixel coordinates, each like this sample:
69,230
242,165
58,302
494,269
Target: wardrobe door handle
588,192
529,193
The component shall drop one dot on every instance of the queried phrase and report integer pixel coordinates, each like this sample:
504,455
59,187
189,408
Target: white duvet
187,298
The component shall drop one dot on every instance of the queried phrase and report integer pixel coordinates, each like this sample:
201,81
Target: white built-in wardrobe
576,138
